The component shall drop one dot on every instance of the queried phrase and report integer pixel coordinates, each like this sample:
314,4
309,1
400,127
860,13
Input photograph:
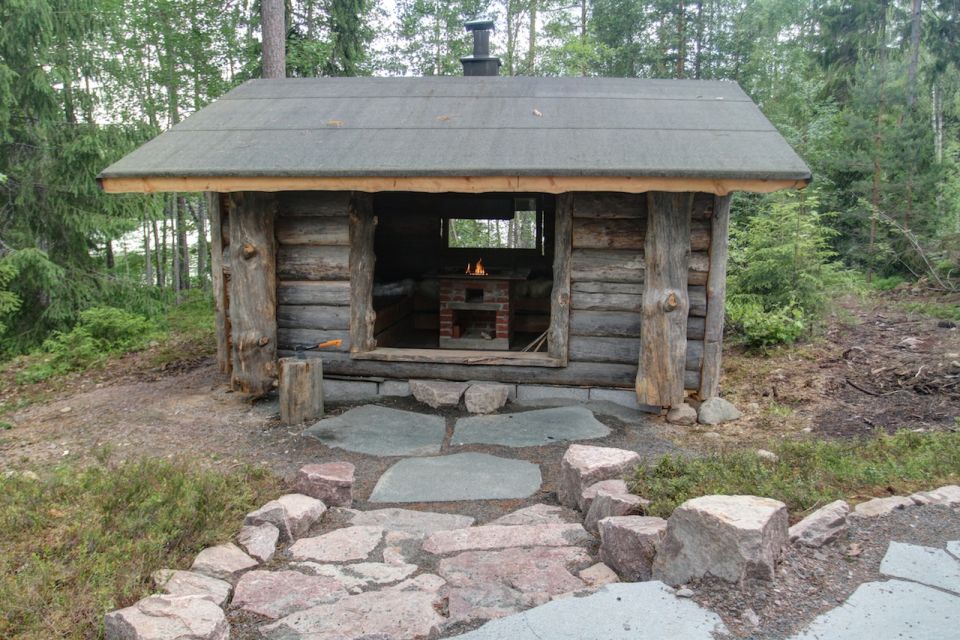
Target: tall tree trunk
174,216
199,215
160,243
583,33
936,117
147,257
111,261
914,54
183,244
532,51
681,39
511,40
698,54
273,29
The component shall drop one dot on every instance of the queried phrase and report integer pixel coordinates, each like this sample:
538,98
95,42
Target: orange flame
477,270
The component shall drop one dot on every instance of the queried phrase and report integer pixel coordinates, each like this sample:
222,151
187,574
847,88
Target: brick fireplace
475,312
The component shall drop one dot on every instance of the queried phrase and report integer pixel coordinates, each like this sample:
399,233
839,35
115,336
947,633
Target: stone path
382,431
530,428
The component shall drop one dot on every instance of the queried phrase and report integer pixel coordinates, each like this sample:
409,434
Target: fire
477,270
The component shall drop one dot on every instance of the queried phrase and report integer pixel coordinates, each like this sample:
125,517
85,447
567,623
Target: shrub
887,284
761,328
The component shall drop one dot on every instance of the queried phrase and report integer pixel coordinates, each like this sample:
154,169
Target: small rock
881,506
29,475
948,496
712,435
341,545
682,414
485,397
330,482
750,617
768,456
293,514
946,324
598,575
753,407
420,523
188,583
684,593
822,526
587,495
717,411
538,514
729,537
608,504
438,393
164,617
500,537
259,541
224,561
274,594
584,465
362,575
628,544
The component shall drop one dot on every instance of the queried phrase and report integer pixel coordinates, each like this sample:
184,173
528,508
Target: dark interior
413,257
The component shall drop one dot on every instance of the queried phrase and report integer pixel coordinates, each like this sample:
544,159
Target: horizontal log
296,316
624,351
609,205
702,206
619,233
695,328
698,278
618,296
313,230
290,339
698,300
314,203
699,261
606,265
604,323
301,262
699,235
332,292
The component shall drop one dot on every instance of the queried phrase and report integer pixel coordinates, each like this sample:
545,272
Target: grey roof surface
476,126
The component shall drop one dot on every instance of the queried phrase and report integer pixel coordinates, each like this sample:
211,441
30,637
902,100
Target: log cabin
551,231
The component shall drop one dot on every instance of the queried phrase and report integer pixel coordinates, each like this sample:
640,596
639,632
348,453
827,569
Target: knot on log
248,251
670,302
263,341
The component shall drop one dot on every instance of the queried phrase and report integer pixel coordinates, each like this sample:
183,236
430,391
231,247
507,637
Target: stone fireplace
475,312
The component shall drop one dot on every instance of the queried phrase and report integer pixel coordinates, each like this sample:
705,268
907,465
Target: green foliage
888,283
760,327
808,473
941,310
79,541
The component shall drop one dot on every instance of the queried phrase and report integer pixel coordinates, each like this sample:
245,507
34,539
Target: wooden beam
716,297
663,330
442,184
301,390
253,292
559,333
460,356
218,282
363,226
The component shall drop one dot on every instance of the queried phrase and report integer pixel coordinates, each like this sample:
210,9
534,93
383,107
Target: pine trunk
273,28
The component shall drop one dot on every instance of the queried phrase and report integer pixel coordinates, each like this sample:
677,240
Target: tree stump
301,390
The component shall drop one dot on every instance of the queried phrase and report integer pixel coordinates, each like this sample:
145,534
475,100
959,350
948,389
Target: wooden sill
460,356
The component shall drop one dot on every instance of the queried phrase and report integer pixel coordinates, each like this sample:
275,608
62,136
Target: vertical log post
663,328
253,291
559,335
301,390
363,226
716,297
218,282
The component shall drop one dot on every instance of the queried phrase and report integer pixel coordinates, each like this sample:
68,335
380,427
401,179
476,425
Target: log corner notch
663,327
363,227
253,292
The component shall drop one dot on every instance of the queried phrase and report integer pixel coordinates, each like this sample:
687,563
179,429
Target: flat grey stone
638,611
417,523
530,428
462,476
892,609
932,567
381,431
954,548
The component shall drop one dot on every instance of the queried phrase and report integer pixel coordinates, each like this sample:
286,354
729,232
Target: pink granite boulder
583,465
330,482
628,544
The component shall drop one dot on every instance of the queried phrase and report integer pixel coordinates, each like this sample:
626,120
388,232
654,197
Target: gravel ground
812,581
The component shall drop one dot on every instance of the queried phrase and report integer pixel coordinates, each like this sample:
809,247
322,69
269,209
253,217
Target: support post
559,335
217,256
663,327
253,291
363,226
716,297
301,390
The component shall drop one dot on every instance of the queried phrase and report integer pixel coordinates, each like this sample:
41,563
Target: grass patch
190,330
939,310
809,473
79,542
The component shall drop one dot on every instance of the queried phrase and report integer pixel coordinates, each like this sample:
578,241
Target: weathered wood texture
363,226
253,292
716,295
559,332
301,390
218,281
663,334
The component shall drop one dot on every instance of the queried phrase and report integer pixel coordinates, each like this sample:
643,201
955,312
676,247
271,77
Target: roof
476,126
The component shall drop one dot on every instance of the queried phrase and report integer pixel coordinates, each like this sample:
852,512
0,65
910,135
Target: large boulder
730,537
274,594
224,562
485,397
609,504
682,414
293,514
165,617
259,541
628,544
438,393
948,496
881,506
583,465
822,526
330,482
188,583
717,411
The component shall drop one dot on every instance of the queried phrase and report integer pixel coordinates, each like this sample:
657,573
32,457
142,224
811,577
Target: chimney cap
479,24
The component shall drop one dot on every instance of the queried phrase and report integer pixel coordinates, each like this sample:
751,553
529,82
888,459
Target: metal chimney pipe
480,63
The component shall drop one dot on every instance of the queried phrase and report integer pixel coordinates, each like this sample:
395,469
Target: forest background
867,91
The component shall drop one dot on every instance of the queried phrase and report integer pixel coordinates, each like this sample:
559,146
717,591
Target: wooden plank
444,184
461,356
314,230
559,333
625,351
391,314
608,234
303,262
301,390
218,282
606,265
617,296
253,292
363,227
715,297
604,323
695,328
304,316
609,205
291,338
663,335
331,292
314,203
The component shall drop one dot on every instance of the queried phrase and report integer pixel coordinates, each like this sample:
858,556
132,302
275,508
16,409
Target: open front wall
606,287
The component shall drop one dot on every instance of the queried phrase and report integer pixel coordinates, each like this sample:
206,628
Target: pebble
684,593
